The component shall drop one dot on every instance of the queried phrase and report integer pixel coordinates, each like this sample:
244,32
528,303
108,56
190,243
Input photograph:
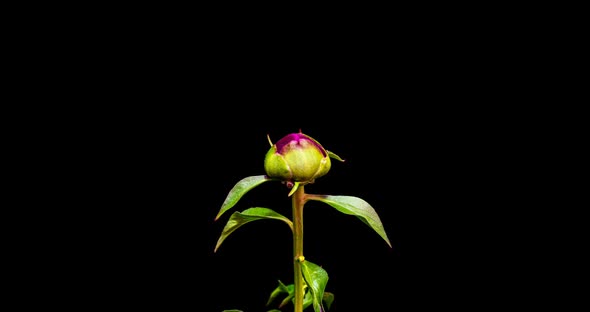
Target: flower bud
297,158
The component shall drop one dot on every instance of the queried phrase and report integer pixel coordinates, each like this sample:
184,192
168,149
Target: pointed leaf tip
242,187
238,219
334,156
357,207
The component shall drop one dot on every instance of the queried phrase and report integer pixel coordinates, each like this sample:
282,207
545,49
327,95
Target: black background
165,120
159,181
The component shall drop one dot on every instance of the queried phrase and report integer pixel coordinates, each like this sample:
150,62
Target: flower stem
298,201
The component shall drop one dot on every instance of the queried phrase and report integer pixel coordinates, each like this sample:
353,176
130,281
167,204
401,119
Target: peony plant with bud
297,160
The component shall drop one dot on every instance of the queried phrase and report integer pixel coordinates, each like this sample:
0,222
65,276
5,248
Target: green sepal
294,188
334,156
242,187
357,207
238,219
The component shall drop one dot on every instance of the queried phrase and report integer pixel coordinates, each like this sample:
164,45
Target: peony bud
297,158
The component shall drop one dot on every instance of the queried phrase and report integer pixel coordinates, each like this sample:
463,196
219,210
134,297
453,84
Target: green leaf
282,289
290,297
238,219
328,299
357,207
316,279
307,299
242,187
275,293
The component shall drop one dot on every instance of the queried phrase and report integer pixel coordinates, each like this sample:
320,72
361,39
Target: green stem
298,202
